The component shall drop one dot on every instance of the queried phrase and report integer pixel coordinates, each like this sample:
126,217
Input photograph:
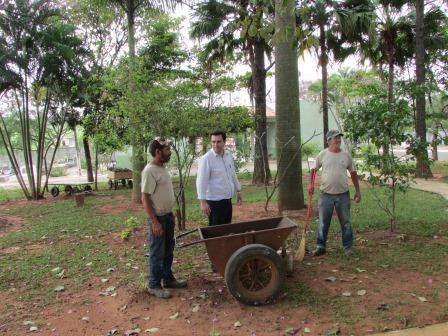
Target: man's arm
202,181
355,180
156,227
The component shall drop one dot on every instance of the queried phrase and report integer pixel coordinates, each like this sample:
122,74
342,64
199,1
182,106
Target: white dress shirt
216,179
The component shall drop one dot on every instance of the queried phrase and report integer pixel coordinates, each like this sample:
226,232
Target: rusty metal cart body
122,176
246,255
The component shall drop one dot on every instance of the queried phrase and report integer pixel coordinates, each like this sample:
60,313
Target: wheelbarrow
245,253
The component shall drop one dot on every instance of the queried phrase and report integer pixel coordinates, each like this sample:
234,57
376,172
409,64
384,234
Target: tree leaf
59,288
174,316
152,330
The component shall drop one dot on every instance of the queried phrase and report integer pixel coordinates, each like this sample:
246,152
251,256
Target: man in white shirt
334,193
217,182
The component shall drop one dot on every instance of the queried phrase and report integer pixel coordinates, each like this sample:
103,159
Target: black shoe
318,252
160,292
175,284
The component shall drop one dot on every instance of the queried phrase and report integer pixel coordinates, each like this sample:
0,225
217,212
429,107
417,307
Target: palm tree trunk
138,162
422,167
262,173
323,64
289,173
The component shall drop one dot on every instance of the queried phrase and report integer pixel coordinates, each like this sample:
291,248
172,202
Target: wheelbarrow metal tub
230,241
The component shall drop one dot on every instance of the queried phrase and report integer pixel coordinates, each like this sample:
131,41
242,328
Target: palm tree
222,22
390,43
287,109
339,26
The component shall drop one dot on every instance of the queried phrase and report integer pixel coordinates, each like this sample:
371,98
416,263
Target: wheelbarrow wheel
255,274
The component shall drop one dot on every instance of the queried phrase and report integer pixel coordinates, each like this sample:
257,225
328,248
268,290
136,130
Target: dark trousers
161,252
220,212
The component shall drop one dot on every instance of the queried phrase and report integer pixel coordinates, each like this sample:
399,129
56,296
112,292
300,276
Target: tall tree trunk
323,64
289,173
138,162
262,173
422,167
88,156
435,155
78,156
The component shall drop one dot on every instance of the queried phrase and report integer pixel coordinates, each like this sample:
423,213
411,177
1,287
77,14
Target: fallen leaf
330,279
383,306
152,330
26,323
132,332
333,332
347,294
361,292
174,316
195,308
56,270
237,324
290,331
59,288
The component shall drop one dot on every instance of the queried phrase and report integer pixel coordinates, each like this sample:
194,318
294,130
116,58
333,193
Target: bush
58,171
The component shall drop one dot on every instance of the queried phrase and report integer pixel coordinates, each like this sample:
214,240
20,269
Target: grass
77,239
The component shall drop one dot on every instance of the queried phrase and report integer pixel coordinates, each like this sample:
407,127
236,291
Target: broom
300,254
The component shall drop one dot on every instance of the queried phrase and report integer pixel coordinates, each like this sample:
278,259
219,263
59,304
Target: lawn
52,243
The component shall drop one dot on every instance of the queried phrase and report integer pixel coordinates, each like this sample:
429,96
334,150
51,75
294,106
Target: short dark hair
155,144
218,132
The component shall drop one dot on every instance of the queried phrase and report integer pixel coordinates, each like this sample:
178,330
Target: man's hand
239,198
357,197
156,228
205,208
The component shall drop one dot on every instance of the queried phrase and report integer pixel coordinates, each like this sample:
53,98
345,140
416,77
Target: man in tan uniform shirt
158,201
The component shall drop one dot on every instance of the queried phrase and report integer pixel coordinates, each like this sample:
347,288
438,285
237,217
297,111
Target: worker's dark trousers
161,251
327,203
220,212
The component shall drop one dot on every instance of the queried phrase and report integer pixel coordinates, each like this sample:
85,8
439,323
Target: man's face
165,154
335,141
218,144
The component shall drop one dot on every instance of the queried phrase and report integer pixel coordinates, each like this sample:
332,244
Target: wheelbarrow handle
181,245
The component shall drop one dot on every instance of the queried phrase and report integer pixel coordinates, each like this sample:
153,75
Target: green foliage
383,125
131,223
58,171
42,60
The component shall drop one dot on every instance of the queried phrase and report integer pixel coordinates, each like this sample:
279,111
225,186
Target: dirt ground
206,305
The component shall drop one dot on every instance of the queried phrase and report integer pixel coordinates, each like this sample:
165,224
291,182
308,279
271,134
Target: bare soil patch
9,223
